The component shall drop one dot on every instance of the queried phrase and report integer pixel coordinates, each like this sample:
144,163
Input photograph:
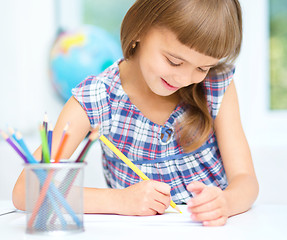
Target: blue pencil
24,147
50,137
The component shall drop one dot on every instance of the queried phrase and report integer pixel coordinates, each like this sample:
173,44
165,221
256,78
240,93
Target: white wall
27,31
262,126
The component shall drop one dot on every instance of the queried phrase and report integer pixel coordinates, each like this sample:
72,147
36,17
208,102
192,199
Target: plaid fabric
161,159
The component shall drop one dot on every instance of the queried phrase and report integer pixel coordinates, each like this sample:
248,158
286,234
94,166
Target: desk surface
261,222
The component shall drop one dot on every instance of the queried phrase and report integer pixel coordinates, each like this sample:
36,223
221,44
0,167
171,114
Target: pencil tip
18,135
45,117
50,127
11,130
177,209
4,135
67,126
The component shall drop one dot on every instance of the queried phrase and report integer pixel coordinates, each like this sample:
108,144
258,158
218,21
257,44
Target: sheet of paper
170,217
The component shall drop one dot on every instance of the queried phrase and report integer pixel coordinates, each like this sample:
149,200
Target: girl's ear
135,43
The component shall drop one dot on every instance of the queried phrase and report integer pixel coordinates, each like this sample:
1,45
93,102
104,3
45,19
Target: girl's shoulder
96,92
222,75
108,79
215,85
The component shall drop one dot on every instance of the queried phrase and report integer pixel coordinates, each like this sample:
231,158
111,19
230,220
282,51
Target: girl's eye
173,64
203,70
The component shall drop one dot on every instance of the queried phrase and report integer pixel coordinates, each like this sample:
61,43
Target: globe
79,53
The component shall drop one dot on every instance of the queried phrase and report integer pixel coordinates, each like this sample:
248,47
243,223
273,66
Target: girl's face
167,65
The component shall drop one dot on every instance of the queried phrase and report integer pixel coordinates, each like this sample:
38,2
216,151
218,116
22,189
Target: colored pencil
45,124
45,149
61,148
24,147
50,138
93,136
12,133
64,131
42,212
130,164
10,142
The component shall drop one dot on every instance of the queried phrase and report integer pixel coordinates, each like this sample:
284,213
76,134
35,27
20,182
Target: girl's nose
187,78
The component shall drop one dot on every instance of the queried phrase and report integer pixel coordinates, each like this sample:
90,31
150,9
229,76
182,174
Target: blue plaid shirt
152,147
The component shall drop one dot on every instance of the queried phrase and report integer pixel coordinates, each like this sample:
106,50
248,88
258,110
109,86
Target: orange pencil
61,147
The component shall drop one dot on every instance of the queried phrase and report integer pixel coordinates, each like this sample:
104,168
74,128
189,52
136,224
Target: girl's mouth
168,86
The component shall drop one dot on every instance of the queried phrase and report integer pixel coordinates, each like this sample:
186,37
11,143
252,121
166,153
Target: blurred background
48,46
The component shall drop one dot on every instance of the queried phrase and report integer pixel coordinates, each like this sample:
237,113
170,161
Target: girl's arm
212,205
144,198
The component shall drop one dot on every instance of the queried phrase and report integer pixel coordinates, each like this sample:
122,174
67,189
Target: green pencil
45,149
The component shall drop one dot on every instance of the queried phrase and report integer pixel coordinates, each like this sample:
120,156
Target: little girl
170,106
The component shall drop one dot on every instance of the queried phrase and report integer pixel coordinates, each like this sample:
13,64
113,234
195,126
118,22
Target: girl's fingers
147,212
162,199
209,206
206,195
158,207
207,216
161,187
195,186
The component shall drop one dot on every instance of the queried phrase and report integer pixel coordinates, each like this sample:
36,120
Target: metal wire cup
54,197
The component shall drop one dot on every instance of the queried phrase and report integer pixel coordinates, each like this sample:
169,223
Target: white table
261,222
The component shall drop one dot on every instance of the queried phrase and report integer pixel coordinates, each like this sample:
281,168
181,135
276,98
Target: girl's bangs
210,30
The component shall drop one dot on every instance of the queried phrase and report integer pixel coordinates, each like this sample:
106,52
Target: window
106,14
278,54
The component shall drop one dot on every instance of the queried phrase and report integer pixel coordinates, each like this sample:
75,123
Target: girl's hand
209,204
145,198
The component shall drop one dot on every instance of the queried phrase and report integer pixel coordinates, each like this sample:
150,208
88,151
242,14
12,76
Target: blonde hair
211,27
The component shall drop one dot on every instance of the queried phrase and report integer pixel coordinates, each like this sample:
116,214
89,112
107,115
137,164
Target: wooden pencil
93,136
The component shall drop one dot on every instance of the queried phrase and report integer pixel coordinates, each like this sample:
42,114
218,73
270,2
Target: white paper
170,217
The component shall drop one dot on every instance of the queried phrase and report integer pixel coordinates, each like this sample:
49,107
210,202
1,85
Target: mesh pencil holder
54,197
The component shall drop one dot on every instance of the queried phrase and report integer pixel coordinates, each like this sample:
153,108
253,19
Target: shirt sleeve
92,95
215,85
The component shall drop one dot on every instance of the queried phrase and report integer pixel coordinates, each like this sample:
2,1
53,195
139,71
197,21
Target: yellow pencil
131,165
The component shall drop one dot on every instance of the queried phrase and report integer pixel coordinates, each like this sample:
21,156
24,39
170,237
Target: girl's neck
131,77
154,107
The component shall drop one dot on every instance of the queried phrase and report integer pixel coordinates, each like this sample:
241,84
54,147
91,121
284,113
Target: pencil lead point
18,135
11,130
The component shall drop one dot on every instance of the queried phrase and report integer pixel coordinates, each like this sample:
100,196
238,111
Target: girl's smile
168,86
